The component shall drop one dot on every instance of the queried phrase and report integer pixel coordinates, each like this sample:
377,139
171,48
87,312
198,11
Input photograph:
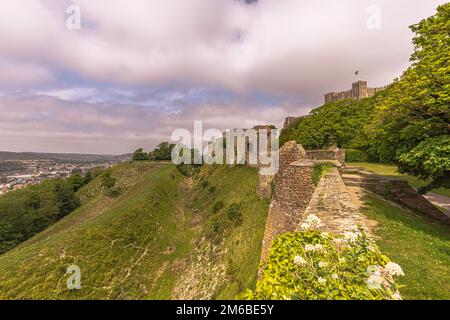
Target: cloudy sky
135,70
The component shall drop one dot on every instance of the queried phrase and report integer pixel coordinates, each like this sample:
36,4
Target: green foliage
353,155
218,205
76,181
340,123
109,184
415,115
140,155
429,160
188,170
163,152
26,212
312,265
8,166
234,213
318,171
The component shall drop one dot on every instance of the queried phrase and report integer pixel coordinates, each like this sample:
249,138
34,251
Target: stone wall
334,153
293,190
397,191
359,91
401,192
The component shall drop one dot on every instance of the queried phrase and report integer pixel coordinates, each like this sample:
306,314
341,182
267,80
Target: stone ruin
294,188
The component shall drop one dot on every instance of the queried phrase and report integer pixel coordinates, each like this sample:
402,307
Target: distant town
19,173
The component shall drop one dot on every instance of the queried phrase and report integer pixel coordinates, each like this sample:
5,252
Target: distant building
289,121
359,91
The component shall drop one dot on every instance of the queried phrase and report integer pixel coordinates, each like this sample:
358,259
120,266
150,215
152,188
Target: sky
108,76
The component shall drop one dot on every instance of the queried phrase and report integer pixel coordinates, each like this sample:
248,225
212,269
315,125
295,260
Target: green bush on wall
353,155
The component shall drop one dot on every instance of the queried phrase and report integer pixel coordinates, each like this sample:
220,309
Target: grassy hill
166,236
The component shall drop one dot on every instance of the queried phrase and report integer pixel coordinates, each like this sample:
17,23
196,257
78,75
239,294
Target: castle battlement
359,91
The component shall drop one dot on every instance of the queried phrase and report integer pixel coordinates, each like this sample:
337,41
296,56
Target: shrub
234,214
205,184
318,170
188,170
353,155
109,185
218,205
139,155
315,265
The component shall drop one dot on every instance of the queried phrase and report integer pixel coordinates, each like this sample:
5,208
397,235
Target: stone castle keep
359,91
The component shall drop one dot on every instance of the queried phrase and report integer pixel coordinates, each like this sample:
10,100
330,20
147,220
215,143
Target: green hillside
165,236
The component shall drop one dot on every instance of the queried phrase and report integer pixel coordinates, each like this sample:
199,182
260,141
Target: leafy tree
88,177
66,200
140,155
26,212
412,123
340,122
109,184
76,181
163,152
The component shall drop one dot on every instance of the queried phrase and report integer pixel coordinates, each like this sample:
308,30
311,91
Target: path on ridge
334,205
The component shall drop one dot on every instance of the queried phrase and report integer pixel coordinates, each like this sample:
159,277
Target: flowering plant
314,265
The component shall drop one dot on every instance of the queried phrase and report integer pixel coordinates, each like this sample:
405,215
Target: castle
359,91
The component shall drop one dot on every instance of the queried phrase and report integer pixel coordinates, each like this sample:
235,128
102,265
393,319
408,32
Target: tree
26,212
412,123
339,122
76,181
109,184
140,155
163,152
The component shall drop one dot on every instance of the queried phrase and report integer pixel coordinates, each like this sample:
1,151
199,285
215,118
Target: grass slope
421,246
157,240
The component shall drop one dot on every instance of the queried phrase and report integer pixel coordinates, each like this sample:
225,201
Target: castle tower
359,90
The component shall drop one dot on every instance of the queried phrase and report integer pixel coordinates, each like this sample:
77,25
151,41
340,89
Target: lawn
390,171
420,245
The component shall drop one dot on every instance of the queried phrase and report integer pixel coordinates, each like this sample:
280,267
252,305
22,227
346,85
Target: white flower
322,281
319,247
394,269
372,248
373,269
310,247
323,264
299,261
305,226
313,220
325,235
396,296
375,281
334,276
351,237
